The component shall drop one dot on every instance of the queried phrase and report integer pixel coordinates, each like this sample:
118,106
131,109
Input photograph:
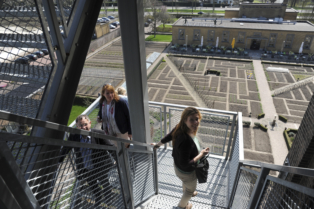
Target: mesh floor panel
210,195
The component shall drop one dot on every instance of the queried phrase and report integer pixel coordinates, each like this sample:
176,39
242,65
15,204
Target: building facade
271,36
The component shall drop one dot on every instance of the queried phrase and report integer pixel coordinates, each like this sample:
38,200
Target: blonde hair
121,91
182,127
109,88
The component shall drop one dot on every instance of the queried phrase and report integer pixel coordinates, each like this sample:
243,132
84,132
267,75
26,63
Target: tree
164,16
155,14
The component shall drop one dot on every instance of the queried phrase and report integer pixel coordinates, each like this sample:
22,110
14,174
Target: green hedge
261,115
283,119
263,127
213,72
287,138
257,124
246,123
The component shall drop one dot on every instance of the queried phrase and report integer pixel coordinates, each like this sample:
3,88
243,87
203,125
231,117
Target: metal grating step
168,202
210,195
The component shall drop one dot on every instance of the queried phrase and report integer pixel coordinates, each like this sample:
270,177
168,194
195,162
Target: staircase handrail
58,127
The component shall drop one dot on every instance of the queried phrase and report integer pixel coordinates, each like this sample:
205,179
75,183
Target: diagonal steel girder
60,92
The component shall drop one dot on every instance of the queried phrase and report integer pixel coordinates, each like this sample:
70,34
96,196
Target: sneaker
189,206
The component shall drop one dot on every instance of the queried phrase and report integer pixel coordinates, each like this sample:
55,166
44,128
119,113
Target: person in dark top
114,114
91,164
186,152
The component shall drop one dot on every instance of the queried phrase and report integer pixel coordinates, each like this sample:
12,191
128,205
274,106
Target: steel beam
131,15
14,180
71,54
258,187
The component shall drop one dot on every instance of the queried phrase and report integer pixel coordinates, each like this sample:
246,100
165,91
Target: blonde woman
186,152
114,114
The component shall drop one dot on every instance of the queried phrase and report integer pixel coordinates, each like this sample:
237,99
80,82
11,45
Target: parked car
117,22
200,13
94,36
149,20
146,24
106,19
111,17
45,51
112,26
39,54
22,60
100,20
32,57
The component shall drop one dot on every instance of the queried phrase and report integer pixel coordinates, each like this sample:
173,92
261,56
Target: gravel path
185,83
277,141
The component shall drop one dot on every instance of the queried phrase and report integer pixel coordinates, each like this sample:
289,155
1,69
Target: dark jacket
184,151
97,160
121,115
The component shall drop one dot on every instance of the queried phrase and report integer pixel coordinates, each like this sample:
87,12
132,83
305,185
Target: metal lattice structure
23,81
246,182
80,175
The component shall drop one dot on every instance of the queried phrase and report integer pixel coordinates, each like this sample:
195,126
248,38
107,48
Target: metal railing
216,129
256,188
70,174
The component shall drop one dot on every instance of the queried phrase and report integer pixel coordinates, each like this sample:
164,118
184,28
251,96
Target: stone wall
233,33
236,14
95,44
290,16
262,10
102,29
231,13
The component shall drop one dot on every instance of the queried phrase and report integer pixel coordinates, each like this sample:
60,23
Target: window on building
241,37
289,40
211,35
181,35
196,35
307,42
225,36
272,40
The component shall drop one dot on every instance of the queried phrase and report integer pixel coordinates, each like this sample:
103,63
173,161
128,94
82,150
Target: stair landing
212,194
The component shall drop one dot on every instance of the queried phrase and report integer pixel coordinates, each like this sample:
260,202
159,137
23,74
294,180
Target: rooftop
238,8
299,26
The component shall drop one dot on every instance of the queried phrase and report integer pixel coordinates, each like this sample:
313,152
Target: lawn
166,26
300,76
75,111
195,11
175,11
161,38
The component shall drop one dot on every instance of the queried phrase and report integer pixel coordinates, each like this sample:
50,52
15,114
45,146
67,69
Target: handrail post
235,185
230,137
125,177
155,164
165,123
258,188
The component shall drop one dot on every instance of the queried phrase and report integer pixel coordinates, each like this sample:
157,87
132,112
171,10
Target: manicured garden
159,38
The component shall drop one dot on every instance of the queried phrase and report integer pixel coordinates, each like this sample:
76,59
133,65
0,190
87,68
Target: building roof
299,26
238,8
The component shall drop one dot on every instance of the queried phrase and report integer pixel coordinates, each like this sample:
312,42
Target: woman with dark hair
114,114
186,152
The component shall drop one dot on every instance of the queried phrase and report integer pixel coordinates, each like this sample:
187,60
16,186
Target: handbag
202,170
